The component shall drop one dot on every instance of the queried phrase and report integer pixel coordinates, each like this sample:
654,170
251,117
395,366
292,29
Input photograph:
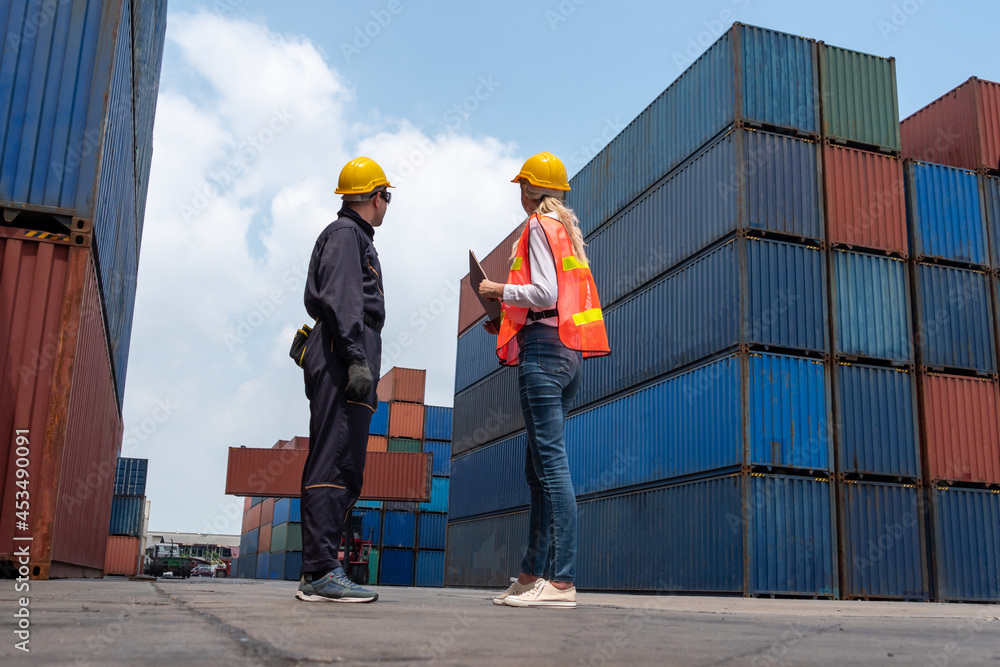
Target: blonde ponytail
554,207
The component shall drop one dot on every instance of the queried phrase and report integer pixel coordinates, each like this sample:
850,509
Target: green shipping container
373,566
859,102
404,445
286,537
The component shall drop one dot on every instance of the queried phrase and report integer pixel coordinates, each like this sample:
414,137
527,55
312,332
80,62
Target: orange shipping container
252,518
962,428
246,505
378,443
496,265
267,511
264,538
280,444
122,555
299,442
406,420
402,384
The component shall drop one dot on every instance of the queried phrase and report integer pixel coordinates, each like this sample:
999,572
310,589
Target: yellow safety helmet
360,176
544,170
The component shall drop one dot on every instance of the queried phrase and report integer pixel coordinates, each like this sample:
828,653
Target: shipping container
437,423
378,443
371,524
945,213
380,420
487,411
256,500
476,357
865,199
955,325
406,420
432,530
276,565
395,506
369,504
267,511
298,443
395,567
126,515
399,529
373,563
749,76
430,569
876,414
858,98
249,544
990,186
287,536
961,128
122,556
441,451
490,479
287,509
285,565
388,475
149,23
264,538
248,567
403,384
487,552
870,303
404,445
439,496
263,563
130,477
961,420
251,519
496,266
882,541
965,530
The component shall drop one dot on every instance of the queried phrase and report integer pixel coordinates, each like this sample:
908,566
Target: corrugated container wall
149,27
437,423
484,552
858,98
441,451
865,199
432,531
122,556
287,509
380,420
403,445
126,515
945,213
429,569
966,544
871,306
991,204
961,128
961,428
130,477
406,420
263,563
378,443
403,384
399,529
396,567
954,318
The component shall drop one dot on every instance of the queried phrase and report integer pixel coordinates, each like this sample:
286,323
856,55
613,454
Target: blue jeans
548,379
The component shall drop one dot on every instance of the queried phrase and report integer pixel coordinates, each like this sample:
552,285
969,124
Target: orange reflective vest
581,323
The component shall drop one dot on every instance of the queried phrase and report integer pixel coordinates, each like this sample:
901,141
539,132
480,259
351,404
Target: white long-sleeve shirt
543,292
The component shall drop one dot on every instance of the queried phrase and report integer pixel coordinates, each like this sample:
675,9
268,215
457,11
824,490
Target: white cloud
246,158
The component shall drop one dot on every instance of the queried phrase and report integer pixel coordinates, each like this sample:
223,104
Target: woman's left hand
491,290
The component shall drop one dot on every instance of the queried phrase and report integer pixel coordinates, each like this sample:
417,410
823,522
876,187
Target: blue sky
260,105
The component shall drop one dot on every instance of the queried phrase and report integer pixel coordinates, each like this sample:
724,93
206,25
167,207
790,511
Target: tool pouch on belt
298,351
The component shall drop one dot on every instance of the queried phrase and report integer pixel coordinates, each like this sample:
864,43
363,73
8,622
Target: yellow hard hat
544,170
360,176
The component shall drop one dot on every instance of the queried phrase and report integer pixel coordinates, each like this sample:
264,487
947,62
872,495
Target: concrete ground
240,622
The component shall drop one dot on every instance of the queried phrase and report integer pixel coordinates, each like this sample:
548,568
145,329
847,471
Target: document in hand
476,276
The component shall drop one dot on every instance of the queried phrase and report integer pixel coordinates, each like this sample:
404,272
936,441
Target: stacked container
77,101
126,532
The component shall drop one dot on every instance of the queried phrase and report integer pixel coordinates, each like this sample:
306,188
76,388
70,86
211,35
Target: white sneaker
514,589
543,594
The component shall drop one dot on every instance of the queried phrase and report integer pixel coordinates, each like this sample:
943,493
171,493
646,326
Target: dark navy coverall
344,294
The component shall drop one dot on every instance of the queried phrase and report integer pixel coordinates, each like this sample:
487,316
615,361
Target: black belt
373,323
545,314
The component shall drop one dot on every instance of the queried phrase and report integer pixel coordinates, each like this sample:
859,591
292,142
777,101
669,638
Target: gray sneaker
334,586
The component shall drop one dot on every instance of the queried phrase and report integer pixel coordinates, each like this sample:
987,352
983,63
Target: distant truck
163,559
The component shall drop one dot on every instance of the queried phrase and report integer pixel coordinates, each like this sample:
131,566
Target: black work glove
359,381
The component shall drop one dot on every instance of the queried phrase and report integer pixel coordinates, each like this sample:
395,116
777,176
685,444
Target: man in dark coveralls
344,293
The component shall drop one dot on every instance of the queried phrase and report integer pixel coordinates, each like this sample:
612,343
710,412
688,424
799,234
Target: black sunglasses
386,195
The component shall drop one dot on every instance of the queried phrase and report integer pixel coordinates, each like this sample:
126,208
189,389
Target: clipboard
476,276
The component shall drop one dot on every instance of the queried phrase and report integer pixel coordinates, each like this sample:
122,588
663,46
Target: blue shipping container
882,541
400,506
488,411
991,199
396,567
749,74
430,568
954,318
486,552
380,420
439,496
126,515
945,213
437,422
441,452
130,477
871,306
249,546
293,565
286,509
371,524
248,566
369,504
263,565
399,529
877,414
256,500
476,357
965,529
490,479
431,530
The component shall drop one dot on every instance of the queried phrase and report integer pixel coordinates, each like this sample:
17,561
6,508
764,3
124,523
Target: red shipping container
406,420
246,505
496,265
122,555
961,128
402,384
58,394
299,442
264,538
378,443
278,474
280,444
252,518
962,428
865,199
267,511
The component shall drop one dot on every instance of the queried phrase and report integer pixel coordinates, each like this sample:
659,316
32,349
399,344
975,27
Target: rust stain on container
406,420
866,204
496,265
122,555
267,511
264,536
378,443
961,128
962,428
278,474
402,384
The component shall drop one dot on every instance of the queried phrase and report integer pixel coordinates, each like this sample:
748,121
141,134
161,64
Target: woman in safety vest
551,320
